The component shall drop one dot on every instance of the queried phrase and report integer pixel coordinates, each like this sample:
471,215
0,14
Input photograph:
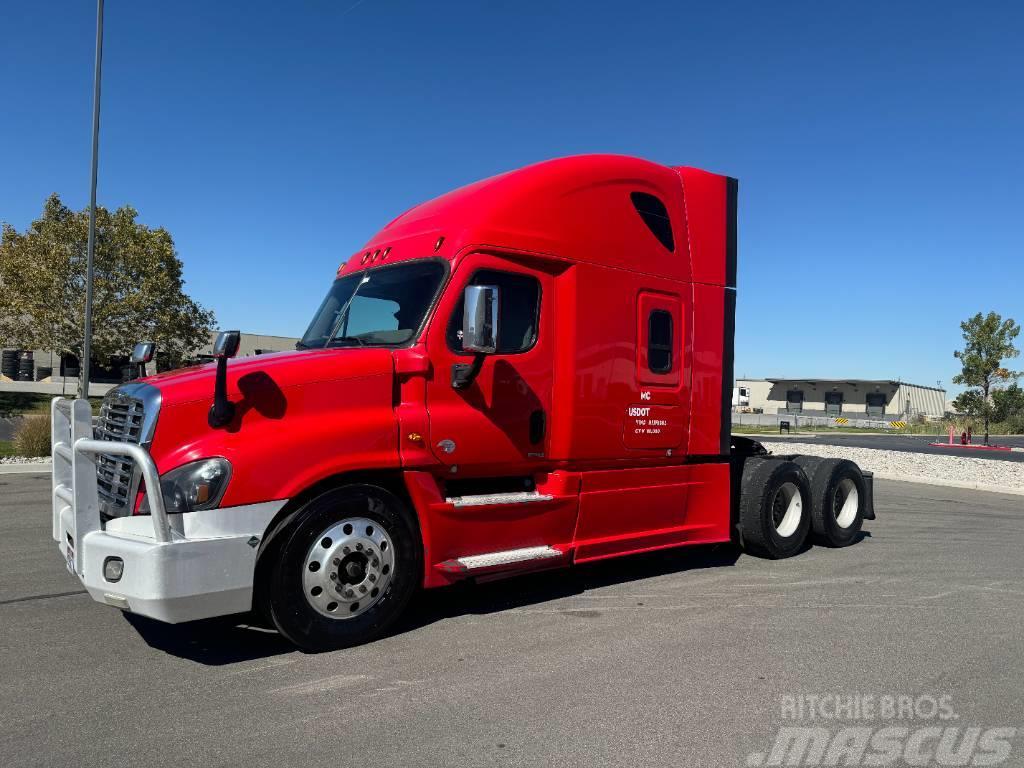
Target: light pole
83,380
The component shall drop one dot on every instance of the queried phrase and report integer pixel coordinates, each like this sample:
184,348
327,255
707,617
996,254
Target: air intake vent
655,216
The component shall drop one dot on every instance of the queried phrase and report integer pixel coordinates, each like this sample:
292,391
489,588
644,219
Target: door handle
538,426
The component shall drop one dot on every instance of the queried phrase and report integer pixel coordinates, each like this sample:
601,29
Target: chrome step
496,559
490,499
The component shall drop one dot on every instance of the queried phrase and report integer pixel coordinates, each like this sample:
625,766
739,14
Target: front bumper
175,567
173,582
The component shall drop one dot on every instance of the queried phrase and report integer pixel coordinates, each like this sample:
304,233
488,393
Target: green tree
1008,404
138,287
988,341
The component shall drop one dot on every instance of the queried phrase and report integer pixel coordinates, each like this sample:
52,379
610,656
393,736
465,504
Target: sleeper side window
518,314
659,341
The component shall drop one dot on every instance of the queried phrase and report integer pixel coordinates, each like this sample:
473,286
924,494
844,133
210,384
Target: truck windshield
377,307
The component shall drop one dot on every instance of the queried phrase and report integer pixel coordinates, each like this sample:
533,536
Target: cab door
498,425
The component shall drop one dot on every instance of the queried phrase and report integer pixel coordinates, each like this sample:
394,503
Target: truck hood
275,370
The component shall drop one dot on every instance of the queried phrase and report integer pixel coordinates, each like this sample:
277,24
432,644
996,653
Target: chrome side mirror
479,331
227,344
143,353
480,319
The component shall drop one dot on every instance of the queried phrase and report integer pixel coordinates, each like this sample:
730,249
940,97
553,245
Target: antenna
83,380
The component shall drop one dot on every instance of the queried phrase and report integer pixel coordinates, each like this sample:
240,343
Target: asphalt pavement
683,658
907,443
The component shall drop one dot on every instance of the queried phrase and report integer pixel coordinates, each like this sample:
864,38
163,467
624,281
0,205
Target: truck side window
519,316
659,341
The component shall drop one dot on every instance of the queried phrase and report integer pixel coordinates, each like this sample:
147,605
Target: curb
1011,490
26,469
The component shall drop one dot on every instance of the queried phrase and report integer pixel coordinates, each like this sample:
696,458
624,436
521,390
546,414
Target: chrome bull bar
76,506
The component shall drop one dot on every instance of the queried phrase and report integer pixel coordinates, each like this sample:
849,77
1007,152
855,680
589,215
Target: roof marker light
375,255
386,252
437,245
365,257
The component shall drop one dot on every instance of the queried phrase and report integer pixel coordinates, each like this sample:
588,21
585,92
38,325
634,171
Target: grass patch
773,429
766,429
23,403
30,403
6,448
931,429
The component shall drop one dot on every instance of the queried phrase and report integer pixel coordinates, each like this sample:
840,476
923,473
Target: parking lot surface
682,658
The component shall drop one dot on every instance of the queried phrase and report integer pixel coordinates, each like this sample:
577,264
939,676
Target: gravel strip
24,459
927,467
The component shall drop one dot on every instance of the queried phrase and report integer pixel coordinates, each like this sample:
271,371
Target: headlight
195,486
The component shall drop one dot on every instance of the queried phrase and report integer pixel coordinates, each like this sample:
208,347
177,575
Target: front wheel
348,565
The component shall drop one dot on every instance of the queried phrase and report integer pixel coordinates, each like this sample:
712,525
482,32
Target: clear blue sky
879,146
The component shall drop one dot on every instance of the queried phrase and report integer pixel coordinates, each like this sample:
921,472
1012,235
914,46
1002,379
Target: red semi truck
529,372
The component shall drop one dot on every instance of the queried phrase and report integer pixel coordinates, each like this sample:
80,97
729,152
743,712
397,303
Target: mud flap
869,488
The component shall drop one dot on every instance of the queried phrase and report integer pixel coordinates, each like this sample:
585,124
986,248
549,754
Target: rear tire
347,563
838,498
774,508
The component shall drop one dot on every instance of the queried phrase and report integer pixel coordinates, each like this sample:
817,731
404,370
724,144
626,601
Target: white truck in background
740,397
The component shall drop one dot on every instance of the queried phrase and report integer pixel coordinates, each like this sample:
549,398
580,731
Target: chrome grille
123,418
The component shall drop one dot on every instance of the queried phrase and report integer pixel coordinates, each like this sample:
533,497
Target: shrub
32,437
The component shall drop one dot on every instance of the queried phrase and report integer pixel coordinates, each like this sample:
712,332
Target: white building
852,398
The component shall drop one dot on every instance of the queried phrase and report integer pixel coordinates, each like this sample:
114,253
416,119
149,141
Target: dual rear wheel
782,502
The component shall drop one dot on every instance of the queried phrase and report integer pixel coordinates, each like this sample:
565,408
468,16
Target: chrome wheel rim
349,568
787,509
846,503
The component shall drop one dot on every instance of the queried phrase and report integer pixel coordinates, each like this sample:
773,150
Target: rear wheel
838,498
346,567
774,508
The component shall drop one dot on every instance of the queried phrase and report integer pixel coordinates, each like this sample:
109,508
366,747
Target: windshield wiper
343,315
343,339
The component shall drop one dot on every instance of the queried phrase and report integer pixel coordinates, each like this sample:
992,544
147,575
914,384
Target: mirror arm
223,410
464,374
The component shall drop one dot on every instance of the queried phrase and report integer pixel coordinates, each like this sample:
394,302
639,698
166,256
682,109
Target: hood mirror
227,344
143,353
223,410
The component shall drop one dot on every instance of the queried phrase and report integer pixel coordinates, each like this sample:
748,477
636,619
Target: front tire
774,508
347,565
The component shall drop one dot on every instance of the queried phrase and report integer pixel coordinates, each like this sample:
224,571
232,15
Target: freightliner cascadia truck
530,372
